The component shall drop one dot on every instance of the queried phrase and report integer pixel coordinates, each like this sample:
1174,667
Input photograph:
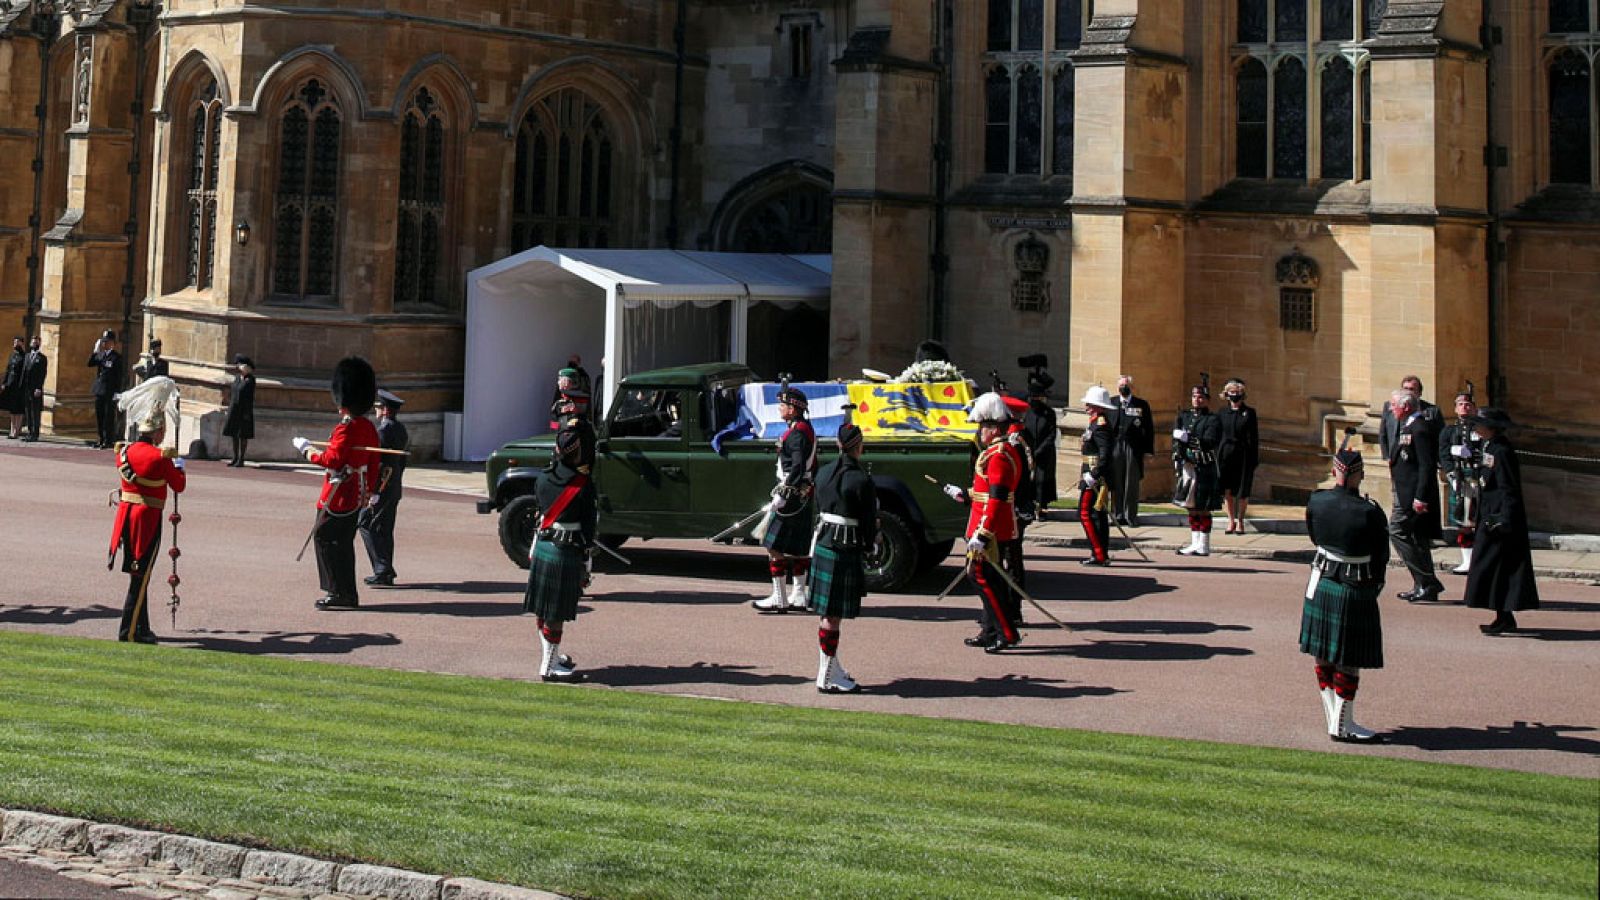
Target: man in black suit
1413,457
34,368
1133,429
1430,414
106,361
376,522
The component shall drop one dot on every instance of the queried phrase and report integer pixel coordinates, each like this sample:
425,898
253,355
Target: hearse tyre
519,521
893,559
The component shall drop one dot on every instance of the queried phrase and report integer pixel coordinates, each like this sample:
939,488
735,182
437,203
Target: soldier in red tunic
147,471
351,478
992,522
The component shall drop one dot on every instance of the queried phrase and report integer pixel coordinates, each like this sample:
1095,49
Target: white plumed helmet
990,407
151,405
1098,396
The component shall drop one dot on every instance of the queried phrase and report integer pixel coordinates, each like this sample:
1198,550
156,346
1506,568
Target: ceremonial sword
1024,595
739,524
618,556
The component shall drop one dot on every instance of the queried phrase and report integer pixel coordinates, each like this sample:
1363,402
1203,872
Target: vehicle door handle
672,471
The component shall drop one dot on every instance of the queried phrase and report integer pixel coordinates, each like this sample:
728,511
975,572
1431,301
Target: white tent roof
526,313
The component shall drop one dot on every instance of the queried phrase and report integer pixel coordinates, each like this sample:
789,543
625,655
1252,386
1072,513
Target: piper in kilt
1339,625
1460,459
558,567
786,530
1195,440
847,527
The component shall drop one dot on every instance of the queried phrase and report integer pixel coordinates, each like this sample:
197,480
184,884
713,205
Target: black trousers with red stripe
1001,609
138,564
1096,525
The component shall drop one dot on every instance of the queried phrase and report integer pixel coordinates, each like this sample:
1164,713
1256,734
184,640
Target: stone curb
235,871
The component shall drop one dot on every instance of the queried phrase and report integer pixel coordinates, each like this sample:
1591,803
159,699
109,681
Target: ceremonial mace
174,517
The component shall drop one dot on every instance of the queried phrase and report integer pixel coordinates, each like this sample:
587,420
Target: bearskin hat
355,386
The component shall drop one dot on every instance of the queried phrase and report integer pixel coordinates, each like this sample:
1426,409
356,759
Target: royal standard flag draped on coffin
932,411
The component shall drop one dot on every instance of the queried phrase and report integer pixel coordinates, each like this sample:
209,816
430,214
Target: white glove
177,463
301,445
955,493
777,502
1461,451
1088,480
1181,435
975,546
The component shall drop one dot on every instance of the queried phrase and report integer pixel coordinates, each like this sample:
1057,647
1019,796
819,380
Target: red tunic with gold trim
345,453
147,472
995,477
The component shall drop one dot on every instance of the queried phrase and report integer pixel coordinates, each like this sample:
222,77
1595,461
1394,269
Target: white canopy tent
635,309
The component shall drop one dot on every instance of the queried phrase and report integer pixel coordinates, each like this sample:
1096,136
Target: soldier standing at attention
1135,429
1339,624
558,561
106,360
788,522
847,509
1195,440
147,471
1460,459
1094,485
991,522
1413,472
352,475
376,522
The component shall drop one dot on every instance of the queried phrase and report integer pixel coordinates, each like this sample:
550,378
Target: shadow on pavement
454,587
1157,627
469,609
705,563
1518,736
56,615
1212,570
1554,634
1138,651
695,673
1002,686
1567,606
282,642
680,598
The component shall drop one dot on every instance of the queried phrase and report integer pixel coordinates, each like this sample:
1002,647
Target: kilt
838,581
555,581
791,534
1340,624
1456,508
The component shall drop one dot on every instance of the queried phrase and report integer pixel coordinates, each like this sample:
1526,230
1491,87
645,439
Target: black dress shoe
1425,595
999,644
384,580
1499,626
1091,561
980,640
334,601
147,637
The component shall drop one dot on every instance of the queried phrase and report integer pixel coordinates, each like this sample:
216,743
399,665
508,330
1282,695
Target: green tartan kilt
838,581
555,581
791,534
1340,624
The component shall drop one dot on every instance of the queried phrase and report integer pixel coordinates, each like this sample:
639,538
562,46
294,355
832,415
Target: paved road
1185,648
19,881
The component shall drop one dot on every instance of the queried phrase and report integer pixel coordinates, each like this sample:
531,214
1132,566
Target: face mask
1235,397
1125,391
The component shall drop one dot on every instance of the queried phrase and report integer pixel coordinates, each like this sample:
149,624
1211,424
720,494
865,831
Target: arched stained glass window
1302,104
566,170
205,131
1569,16
1251,127
1338,123
1027,86
422,215
1289,119
1571,119
306,201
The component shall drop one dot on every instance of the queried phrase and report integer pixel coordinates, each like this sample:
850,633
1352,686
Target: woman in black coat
1501,577
241,422
1238,455
12,397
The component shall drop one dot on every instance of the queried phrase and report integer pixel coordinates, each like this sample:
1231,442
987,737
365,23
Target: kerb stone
382,881
205,857
315,875
473,889
45,832
115,843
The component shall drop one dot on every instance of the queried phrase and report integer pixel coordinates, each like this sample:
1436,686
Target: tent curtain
786,304
656,336
631,302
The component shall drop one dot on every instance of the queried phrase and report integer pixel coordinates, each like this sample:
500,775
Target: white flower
929,371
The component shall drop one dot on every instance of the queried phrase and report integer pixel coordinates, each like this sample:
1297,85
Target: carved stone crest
1030,290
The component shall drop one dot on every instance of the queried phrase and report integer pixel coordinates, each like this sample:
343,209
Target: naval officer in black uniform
376,522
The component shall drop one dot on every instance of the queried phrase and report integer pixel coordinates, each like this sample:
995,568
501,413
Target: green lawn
613,794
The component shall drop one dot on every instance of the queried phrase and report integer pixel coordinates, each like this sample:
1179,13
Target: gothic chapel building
1317,196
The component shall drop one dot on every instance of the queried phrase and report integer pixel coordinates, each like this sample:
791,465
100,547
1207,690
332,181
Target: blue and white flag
826,412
